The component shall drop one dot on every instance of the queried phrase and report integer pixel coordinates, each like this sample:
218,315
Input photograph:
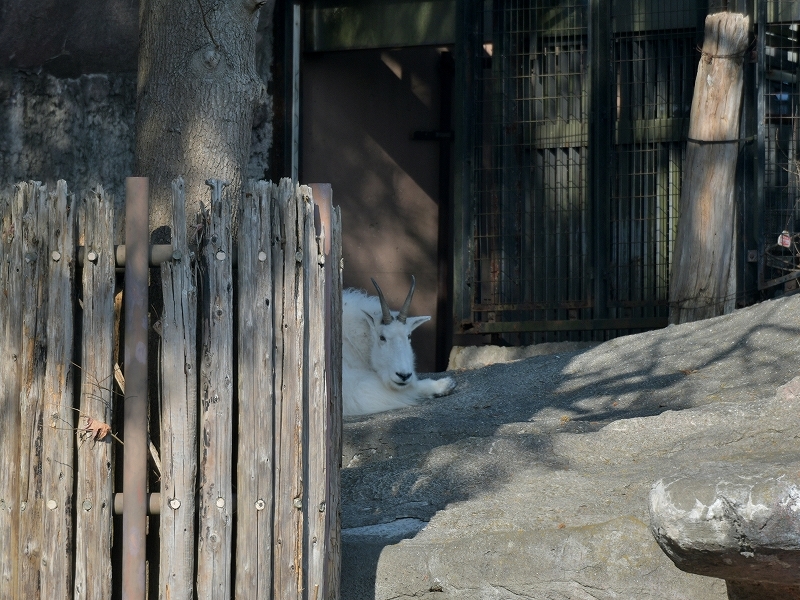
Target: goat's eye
409,336
383,338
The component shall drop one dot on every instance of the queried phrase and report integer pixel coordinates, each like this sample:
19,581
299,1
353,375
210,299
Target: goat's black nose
404,376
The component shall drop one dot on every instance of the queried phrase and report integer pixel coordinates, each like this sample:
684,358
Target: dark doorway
362,114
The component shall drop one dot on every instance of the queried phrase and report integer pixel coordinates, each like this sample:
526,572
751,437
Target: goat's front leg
433,388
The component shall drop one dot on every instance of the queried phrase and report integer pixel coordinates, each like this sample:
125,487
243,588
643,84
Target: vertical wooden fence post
279,253
333,280
11,211
315,392
178,411
34,303
215,507
58,434
323,338
255,339
289,417
95,477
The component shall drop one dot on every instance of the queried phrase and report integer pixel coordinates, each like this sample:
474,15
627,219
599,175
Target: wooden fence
247,421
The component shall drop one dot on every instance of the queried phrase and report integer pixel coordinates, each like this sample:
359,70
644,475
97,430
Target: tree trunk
701,265
197,91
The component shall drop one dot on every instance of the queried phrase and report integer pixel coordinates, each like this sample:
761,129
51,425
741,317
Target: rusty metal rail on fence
134,485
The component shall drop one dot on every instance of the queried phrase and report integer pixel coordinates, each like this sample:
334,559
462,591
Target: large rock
736,522
473,357
739,521
533,479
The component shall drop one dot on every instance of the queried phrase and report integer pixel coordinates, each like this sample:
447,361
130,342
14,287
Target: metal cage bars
574,128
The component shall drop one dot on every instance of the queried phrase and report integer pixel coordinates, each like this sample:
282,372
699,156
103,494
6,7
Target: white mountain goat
377,360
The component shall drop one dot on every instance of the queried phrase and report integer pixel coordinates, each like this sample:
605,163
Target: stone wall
56,123
80,130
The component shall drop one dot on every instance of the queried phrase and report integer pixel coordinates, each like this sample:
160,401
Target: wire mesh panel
780,118
547,255
528,183
655,63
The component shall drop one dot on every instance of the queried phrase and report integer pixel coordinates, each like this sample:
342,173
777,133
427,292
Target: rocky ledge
534,479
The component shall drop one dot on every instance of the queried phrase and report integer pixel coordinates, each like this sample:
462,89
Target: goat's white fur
378,372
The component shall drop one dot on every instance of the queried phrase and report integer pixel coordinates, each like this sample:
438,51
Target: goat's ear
370,319
414,322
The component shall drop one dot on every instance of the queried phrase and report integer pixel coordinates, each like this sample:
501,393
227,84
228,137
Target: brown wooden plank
215,506
34,272
317,401
95,477
278,249
11,295
288,567
333,282
255,355
58,434
704,242
178,412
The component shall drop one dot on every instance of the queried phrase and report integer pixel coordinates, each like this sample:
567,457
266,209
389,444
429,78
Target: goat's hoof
444,386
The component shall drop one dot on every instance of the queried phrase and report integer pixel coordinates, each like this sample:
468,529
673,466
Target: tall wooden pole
701,265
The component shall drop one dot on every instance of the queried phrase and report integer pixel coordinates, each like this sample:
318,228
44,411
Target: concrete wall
359,109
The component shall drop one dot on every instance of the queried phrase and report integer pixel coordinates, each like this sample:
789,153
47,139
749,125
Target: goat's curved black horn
404,311
387,316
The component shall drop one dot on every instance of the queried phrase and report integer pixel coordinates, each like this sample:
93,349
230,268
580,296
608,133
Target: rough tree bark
197,90
704,245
